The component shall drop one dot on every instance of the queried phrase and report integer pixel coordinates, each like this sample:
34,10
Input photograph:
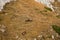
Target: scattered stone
23,33
6,13
58,0
57,14
53,37
28,20
17,37
40,36
35,39
2,28
51,30
21,39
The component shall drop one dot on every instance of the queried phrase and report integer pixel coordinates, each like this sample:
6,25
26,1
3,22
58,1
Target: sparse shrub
44,10
48,8
58,16
36,8
56,28
1,19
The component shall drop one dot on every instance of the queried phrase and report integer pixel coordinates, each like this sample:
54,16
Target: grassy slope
26,19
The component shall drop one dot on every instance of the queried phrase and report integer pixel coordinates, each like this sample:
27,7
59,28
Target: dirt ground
27,20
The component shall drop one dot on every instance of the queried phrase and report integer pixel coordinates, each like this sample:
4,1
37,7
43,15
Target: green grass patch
49,9
58,16
56,28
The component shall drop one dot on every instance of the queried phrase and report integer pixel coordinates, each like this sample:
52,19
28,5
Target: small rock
57,14
51,29
6,13
23,33
17,37
40,36
3,26
28,20
58,0
2,30
52,36
35,39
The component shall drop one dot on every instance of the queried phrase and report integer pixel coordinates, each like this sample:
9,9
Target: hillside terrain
28,20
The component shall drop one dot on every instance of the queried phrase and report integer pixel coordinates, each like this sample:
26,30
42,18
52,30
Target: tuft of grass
28,20
56,28
48,8
36,8
1,18
58,16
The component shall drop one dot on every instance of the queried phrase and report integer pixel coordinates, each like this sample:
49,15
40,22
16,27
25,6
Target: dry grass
22,19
